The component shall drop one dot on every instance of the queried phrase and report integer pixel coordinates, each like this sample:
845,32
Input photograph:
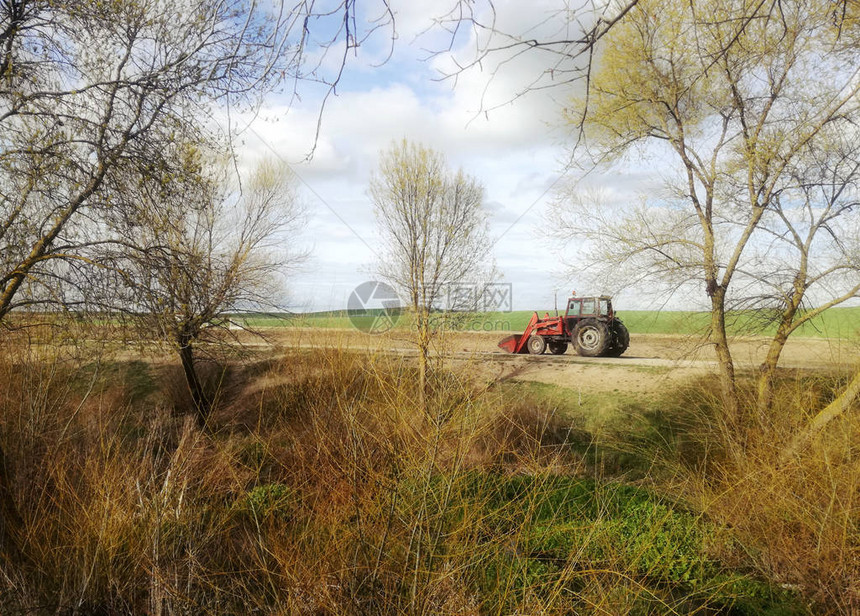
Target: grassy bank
320,486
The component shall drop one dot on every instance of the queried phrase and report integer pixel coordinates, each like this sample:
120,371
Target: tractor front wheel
591,338
556,347
536,345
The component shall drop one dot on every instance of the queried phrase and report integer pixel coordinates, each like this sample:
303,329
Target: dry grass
802,515
798,518
322,487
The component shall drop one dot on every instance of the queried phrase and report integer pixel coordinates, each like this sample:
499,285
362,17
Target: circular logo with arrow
373,307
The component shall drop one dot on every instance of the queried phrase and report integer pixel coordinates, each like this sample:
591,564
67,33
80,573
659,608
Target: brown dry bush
801,517
320,486
347,432
521,435
123,509
374,475
798,517
288,503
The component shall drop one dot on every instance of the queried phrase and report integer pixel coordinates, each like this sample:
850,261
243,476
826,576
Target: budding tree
743,108
434,233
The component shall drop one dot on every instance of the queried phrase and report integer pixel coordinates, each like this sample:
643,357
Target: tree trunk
830,412
764,399
424,335
728,385
202,404
422,377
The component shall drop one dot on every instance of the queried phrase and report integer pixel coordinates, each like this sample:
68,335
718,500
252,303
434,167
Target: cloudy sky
517,150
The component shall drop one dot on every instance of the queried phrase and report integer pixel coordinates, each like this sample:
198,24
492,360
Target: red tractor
589,324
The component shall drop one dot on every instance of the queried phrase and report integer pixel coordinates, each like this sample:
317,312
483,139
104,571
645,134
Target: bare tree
434,232
199,251
91,92
89,89
809,258
560,42
737,99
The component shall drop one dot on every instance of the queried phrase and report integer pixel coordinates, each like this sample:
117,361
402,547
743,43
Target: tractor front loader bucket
510,344
517,342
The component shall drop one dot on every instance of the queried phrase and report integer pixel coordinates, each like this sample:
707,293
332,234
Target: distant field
835,323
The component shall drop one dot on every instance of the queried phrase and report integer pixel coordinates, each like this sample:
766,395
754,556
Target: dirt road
653,361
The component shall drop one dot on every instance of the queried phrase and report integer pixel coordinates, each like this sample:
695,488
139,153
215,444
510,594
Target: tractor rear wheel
536,345
591,338
620,340
556,347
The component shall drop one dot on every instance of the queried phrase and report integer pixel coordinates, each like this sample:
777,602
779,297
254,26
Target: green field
835,323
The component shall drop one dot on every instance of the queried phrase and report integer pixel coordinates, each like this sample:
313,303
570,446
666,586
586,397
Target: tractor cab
589,307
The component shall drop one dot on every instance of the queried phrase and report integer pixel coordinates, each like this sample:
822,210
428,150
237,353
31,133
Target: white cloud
516,150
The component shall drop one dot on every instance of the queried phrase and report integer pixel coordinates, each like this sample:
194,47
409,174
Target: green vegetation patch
559,538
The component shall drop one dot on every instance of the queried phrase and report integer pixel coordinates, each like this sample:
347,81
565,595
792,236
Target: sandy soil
653,361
